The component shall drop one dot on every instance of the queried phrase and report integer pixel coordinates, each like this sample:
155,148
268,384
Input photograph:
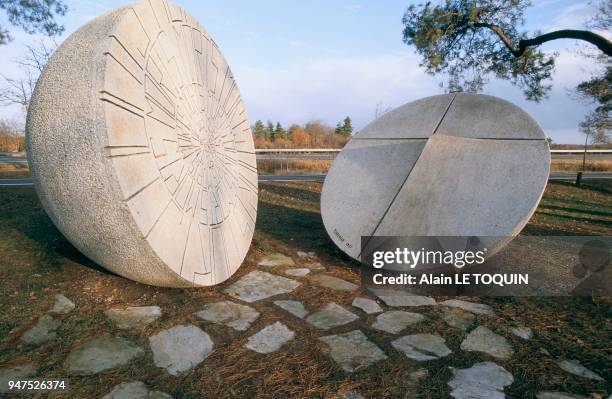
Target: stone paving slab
100,354
15,372
43,331
478,308
525,333
481,339
299,272
332,315
135,390
270,339
367,305
296,308
401,298
485,380
259,285
180,348
133,316
62,305
422,347
458,318
559,395
394,321
316,267
334,283
352,350
276,260
308,254
574,367
239,317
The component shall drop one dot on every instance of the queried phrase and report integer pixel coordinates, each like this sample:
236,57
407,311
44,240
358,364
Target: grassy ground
37,262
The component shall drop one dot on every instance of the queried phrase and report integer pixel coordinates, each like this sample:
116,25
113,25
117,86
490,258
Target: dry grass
14,171
275,167
36,262
575,165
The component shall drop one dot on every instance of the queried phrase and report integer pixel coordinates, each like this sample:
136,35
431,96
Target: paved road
5,158
288,178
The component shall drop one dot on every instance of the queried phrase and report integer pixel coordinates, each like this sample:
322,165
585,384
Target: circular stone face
459,165
153,123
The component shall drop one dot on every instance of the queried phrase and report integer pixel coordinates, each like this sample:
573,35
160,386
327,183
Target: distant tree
549,140
259,130
270,132
345,128
33,16
471,40
279,132
597,125
299,137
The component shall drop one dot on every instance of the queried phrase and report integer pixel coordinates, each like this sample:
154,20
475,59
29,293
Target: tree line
312,134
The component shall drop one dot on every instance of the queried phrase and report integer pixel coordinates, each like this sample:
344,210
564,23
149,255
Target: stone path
180,348
485,380
299,272
422,346
367,305
333,315
458,318
239,317
16,372
135,390
62,305
270,339
43,331
481,339
296,308
402,298
352,350
100,354
133,316
334,283
574,367
523,332
478,308
276,260
259,285
394,321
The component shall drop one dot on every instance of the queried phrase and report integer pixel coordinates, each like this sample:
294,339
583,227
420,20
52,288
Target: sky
296,61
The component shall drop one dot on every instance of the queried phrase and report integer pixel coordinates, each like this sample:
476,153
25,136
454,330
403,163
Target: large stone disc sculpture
456,165
141,151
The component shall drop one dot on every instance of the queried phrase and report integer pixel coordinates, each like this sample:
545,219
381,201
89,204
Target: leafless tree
18,90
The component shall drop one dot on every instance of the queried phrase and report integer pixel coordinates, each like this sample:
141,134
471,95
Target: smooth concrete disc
141,150
455,165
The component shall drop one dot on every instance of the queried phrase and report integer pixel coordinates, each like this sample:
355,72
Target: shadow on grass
21,210
576,210
294,192
293,226
600,186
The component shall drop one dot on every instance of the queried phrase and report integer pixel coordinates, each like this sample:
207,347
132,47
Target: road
289,178
6,157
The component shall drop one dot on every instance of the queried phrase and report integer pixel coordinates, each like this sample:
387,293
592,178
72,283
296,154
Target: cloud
329,89
572,16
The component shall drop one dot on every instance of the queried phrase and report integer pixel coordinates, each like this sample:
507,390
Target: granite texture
140,148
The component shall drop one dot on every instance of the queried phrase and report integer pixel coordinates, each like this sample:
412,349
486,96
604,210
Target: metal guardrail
306,178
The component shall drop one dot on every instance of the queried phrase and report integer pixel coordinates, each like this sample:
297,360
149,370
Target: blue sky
302,60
